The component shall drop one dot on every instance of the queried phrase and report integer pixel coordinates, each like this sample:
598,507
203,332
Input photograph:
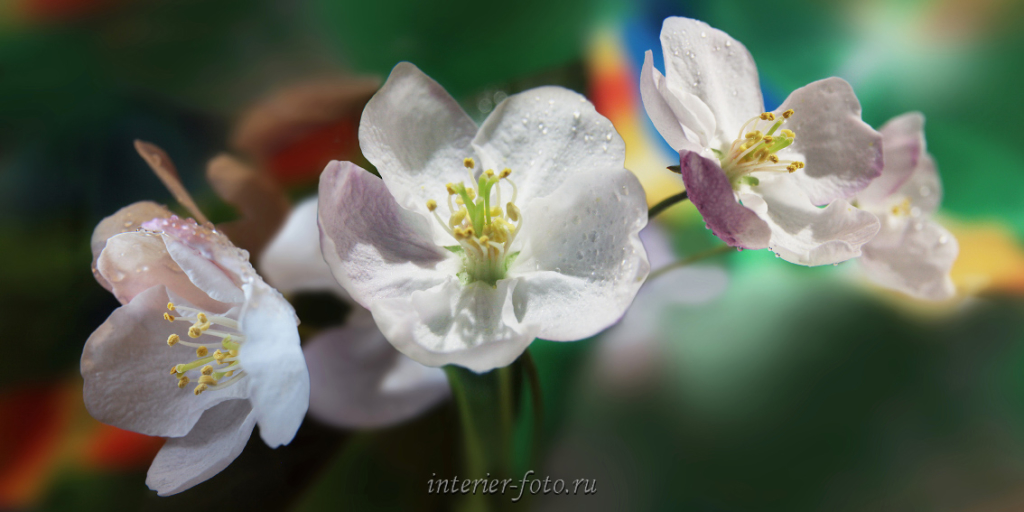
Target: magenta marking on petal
710,191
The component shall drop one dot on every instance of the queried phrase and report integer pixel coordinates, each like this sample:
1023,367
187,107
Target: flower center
484,232
231,340
755,150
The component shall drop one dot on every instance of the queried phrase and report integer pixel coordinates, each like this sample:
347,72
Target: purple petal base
709,190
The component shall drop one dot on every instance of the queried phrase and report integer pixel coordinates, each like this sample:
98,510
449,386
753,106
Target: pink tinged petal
129,218
805,234
272,359
293,262
472,325
711,193
126,366
358,380
417,136
582,261
216,441
668,113
924,188
913,257
546,135
137,261
204,272
717,69
375,248
902,148
843,154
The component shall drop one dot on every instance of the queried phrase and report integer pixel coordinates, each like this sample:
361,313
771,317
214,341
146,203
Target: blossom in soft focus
632,352
538,236
758,177
911,253
358,380
201,350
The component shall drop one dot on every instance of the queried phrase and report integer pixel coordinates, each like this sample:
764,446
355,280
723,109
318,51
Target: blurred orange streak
991,259
34,421
302,161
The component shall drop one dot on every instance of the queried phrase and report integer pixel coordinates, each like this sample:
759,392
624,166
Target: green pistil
781,142
775,127
228,344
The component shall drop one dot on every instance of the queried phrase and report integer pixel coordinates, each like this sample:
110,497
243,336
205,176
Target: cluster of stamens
755,150
478,223
228,369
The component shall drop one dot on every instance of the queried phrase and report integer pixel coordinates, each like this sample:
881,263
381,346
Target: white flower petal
669,115
657,245
126,364
924,188
582,261
545,135
843,154
711,65
129,218
416,135
202,271
293,262
271,356
805,234
375,248
134,262
216,440
358,380
912,256
468,325
902,148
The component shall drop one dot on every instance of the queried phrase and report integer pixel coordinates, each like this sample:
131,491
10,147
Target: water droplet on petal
703,34
576,115
608,137
525,120
728,43
943,240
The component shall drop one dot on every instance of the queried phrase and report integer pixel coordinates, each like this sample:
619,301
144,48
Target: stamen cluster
227,360
484,232
755,150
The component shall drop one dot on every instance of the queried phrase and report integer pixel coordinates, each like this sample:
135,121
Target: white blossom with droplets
912,253
201,351
479,239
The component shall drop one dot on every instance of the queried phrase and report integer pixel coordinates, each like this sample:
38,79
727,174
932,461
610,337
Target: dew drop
835,264
943,240
604,147
544,131
540,126
576,115
728,43
525,121
703,34
608,137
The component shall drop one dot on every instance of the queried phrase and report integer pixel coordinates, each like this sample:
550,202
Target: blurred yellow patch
991,259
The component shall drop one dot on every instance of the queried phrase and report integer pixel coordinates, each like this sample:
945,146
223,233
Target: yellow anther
170,306
202,351
458,200
202,319
761,155
182,382
755,135
457,217
788,133
172,339
207,370
791,168
495,212
233,353
468,232
431,204
769,140
230,373
174,370
168,317
773,159
471,192
513,212
799,165
469,163
489,172
767,116
206,379
484,239
199,389
788,113
505,172
451,189
194,331
219,356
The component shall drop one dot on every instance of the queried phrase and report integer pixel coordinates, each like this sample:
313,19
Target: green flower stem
666,203
687,261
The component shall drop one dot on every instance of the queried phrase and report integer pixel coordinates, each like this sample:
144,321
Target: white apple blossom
911,253
758,177
358,380
539,234
201,350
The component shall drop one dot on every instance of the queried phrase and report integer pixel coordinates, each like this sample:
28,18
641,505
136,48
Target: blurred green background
797,390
